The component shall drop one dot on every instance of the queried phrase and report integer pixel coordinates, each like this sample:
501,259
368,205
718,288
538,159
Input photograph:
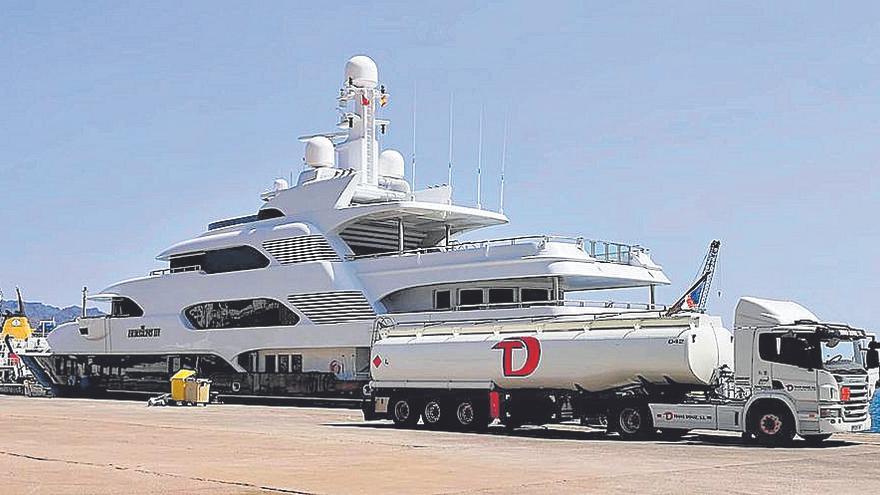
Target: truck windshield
840,355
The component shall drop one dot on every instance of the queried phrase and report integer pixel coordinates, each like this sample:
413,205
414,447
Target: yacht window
242,313
283,363
270,363
442,299
470,298
296,363
532,295
123,307
233,260
223,260
501,296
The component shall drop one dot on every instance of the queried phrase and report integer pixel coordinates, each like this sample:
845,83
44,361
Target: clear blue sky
126,128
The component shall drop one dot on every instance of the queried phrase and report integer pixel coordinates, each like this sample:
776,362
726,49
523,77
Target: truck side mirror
872,359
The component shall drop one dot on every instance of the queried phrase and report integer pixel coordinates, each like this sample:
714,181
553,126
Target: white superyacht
281,303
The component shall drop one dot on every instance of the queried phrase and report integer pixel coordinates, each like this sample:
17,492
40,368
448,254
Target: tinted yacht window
223,260
123,307
242,313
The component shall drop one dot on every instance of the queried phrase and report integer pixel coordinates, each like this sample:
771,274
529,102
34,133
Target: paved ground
64,446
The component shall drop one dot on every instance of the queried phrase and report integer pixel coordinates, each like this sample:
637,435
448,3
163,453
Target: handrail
381,331
602,251
576,303
177,269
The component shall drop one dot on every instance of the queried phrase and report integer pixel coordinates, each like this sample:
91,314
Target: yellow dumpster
179,384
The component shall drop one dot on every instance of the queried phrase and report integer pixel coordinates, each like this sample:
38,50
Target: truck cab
814,373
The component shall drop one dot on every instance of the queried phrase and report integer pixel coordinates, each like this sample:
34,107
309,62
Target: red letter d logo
533,355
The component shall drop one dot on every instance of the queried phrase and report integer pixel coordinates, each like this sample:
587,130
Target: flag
691,298
383,100
364,100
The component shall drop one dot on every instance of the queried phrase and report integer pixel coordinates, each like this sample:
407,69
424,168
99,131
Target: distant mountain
38,311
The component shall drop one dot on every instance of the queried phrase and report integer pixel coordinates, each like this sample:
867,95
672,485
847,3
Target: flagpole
480,162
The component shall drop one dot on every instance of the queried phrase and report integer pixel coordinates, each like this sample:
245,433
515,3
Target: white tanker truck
781,372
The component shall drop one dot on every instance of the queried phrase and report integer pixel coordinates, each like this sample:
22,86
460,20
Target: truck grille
856,409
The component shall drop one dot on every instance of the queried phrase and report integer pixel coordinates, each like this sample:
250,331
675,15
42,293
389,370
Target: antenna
503,159
415,94
451,125
480,161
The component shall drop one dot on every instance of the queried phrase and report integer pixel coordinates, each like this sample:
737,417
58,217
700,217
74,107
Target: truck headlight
829,412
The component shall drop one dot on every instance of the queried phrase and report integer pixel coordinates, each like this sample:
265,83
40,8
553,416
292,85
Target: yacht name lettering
144,333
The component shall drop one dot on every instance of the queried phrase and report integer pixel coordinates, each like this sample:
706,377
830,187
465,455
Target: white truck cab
792,375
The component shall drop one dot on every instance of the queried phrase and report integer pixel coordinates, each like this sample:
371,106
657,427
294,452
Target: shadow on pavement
587,434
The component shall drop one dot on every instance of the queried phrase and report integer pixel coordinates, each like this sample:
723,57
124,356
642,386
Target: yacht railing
603,251
571,303
177,269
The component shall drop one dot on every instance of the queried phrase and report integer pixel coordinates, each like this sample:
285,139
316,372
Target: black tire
816,440
673,434
469,415
404,411
633,421
434,413
772,425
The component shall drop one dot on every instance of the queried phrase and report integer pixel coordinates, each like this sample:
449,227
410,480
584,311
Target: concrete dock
67,446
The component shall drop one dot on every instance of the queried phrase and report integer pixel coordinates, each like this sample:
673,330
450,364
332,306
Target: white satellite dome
280,185
320,152
391,164
362,71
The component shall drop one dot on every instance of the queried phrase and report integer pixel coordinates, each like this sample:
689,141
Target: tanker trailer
639,374
463,375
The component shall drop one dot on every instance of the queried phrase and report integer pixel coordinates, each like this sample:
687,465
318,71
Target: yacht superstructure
282,302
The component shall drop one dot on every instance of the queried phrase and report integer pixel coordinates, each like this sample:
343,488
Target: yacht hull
95,376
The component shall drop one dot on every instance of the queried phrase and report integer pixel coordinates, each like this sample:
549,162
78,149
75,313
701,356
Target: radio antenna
503,159
415,95
451,139
480,162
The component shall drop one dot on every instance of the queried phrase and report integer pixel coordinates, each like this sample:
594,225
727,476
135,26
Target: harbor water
875,413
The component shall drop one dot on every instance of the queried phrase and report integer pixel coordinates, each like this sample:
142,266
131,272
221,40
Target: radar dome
362,72
391,164
280,185
320,152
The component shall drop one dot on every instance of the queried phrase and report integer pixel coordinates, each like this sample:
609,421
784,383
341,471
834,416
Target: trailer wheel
470,416
633,421
404,412
772,425
433,413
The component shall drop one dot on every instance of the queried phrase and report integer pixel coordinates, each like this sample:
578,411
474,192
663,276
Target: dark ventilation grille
300,249
370,237
327,308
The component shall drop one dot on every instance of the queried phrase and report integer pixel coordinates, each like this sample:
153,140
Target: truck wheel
404,412
433,413
469,416
816,440
773,426
633,421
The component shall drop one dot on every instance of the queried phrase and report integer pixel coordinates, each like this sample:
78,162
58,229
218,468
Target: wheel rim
770,424
630,420
401,410
432,412
465,413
